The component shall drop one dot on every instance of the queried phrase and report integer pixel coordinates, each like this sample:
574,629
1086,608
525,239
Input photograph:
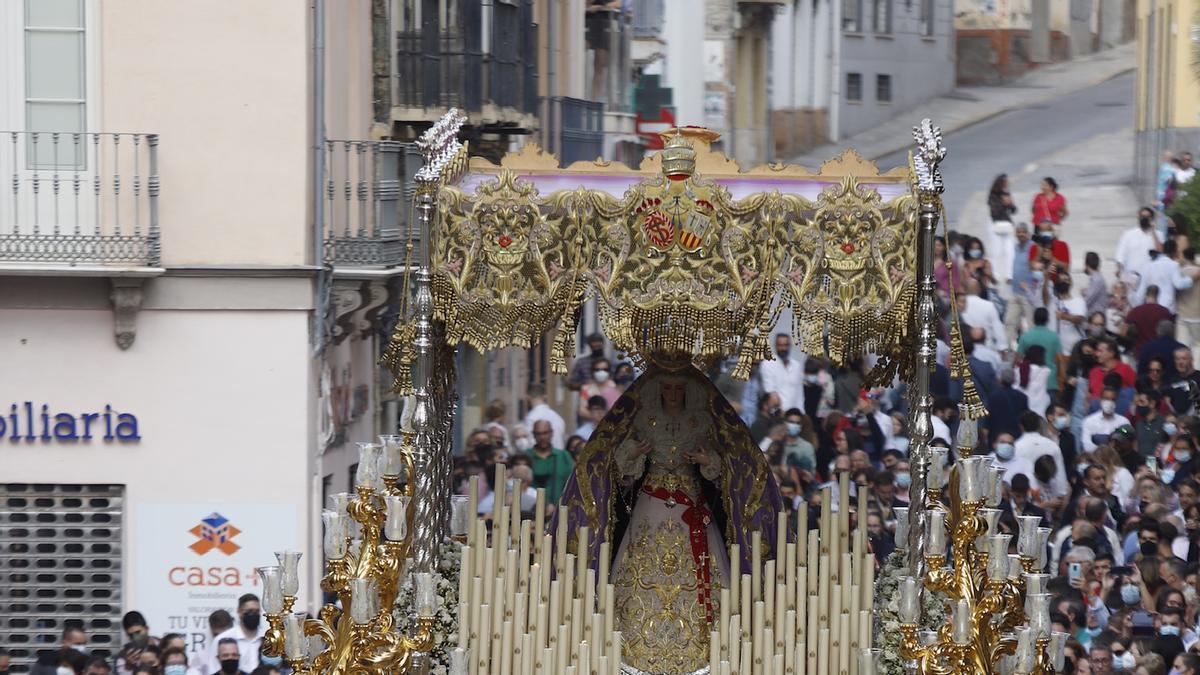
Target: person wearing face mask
819,396
1098,426
276,663
1123,658
1169,642
1147,422
139,635
784,374
597,407
581,369
1068,312
230,658
1134,246
1185,664
247,637
1005,453
600,384
1180,464
73,639
174,662
1161,347
798,444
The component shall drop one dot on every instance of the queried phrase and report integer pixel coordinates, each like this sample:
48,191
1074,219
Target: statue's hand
642,448
697,457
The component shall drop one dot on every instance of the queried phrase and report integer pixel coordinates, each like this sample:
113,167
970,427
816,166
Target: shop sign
193,559
31,422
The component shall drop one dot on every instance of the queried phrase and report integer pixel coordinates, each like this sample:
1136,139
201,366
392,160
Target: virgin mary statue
670,478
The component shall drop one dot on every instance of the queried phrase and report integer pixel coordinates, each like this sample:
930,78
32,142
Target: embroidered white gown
671,561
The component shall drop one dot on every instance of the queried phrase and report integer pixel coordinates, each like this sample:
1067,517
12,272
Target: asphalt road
1012,141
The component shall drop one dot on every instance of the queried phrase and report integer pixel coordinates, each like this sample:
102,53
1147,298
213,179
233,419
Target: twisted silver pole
425,541
929,155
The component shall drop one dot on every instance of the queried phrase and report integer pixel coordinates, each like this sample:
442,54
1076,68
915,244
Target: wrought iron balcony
369,185
79,198
580,127
477,55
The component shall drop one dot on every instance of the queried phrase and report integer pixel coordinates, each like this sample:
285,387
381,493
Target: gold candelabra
368,537
998,606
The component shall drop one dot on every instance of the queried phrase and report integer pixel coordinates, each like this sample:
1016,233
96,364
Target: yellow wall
1168,87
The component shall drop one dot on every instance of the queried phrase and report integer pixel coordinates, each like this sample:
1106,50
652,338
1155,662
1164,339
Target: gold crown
678,158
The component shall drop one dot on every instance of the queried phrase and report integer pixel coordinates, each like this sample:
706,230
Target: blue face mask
175,669
1169,428
1168,630
1182,455
1005,451
1130,594
1038,276
1061,422
793,429
901,444
903,480
269,660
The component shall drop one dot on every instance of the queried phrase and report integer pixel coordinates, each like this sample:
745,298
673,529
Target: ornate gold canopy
687,256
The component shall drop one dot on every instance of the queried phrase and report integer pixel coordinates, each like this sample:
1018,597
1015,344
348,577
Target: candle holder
368,539
987,627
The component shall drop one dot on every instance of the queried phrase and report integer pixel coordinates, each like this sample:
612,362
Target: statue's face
672,393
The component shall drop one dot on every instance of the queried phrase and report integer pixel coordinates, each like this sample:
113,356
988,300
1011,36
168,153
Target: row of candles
808,610
528,607
980,484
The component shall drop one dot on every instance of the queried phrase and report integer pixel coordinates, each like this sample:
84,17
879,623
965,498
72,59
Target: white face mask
523,443
62,670
600,376
1107,406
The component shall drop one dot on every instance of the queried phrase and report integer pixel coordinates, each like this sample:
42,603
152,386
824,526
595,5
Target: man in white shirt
1133,249
1100,424
784,375
943,411
1067,313
248,632
539,410
1164,272
984,352
1032,445
979,313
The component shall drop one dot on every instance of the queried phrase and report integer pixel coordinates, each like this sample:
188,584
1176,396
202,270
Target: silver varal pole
425,541
930,153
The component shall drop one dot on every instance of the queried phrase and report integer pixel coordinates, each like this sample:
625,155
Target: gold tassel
971,406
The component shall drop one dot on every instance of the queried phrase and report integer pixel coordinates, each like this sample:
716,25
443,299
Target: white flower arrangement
887,609
445,629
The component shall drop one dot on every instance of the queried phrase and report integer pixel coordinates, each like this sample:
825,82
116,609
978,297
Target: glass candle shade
289,563
367,474
968,436
339,501
1039,614
395,525
868,661
1027,535
393,455
1014,566
460,515
927,637
990,518
1035,582
1043,544
362,600
997,569
997,491
937,468
315,645
970,482
458,661
910,600
294,643
1025,650
335,534
935,536
426,597
272,590
901,527
961,626
1058,650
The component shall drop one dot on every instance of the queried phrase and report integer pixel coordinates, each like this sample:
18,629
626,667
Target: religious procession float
669,550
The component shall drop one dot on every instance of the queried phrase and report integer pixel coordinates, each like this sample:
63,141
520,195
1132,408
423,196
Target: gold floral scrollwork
847,269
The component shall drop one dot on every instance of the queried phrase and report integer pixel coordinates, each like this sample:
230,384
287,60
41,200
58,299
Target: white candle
735,575
724,622
464,625
789,641
539,519
769,594
756,565
472,508
395,525
506,648
735,638
910,608
714,652
484,647
961,623
293,636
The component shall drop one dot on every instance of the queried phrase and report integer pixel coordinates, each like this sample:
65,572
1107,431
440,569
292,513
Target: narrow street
1029,143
